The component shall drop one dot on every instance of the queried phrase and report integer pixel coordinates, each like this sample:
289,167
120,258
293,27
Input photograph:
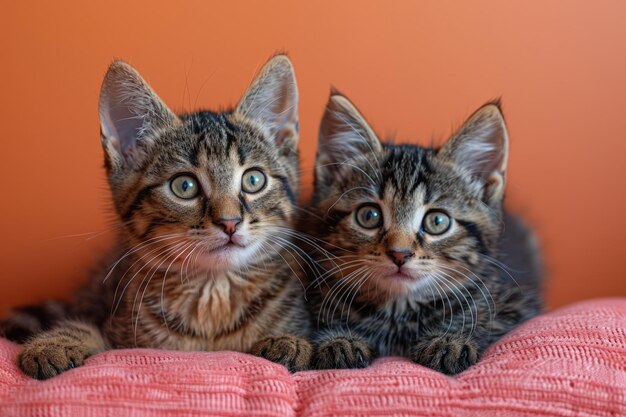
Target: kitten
413,245
206,202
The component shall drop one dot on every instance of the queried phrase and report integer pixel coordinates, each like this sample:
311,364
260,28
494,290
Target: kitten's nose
399,256
229,225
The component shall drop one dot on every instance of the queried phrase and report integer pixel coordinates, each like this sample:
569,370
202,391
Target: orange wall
416,69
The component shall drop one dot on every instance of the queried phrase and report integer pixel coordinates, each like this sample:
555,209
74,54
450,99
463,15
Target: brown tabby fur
176,280
395,289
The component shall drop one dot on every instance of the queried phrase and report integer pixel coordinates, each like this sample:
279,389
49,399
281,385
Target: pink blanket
571,362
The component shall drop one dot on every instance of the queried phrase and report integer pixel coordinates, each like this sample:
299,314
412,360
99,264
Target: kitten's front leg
294,352
446,353
341,349
64,347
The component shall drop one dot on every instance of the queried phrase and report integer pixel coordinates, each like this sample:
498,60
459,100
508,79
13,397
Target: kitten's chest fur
395,326
485,312
391,328
205,311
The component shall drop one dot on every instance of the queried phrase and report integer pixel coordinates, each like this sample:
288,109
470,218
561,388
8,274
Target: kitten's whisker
195,271
302,237
167,250
180,252
365,279
309,239
325,272
443,302
345,193
287,263
286,249
90,234
311,263
493,302
138,247
347,291
317,281
501,266
195,103
442,291
335,291
185,269
149,275
263,258
492,312
444,282
310,213
474,314
121,279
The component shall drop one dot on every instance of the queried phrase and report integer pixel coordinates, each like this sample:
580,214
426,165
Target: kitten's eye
436,223
369,216
184,186
253,181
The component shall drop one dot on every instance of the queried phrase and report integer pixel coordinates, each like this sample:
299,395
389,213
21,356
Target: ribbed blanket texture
570,362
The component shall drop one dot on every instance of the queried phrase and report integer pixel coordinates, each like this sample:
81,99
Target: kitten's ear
272,101
347,145
130,114
480,148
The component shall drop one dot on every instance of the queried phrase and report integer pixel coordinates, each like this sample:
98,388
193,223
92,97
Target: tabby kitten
413,241
206,204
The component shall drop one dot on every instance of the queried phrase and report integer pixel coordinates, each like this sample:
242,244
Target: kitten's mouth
401,275
403,279
225,256
230,246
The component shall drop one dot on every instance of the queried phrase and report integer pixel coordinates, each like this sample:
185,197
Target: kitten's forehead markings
224,171
204,176
419,205
406,212
234,169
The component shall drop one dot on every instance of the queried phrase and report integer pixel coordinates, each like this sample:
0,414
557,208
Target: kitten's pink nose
399,256
229,225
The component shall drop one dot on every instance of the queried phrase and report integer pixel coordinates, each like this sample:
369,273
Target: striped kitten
206,202
414,245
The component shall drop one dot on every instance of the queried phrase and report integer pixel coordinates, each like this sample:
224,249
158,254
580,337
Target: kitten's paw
449,354
291,351
343,352
48,356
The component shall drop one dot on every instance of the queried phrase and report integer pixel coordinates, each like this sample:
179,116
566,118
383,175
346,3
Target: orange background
416,69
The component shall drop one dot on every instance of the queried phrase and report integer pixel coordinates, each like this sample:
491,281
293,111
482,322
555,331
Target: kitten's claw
293,352
342,352
449,354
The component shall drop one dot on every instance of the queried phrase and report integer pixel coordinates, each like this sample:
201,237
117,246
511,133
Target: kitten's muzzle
400,256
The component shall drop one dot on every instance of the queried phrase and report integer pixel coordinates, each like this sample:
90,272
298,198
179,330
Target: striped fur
453,296
177,279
